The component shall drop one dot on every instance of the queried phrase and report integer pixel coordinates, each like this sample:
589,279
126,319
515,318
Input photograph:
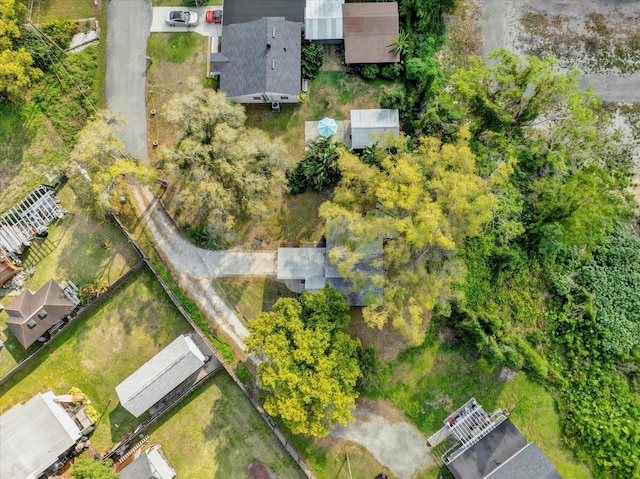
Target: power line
46,40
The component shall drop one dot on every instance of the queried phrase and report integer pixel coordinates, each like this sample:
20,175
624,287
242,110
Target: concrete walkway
196,268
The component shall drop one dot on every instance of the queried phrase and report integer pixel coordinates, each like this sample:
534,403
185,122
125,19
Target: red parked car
214,16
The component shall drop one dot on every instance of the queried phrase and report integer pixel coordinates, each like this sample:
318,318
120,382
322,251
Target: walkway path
196,268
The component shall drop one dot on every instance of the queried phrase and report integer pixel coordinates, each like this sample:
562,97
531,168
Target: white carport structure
323,21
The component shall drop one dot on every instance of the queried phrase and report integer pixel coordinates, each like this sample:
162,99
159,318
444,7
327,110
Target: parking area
203,28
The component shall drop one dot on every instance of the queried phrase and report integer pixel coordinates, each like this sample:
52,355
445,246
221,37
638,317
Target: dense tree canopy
98,160
16,64
86,468
223,172
310,367
423,202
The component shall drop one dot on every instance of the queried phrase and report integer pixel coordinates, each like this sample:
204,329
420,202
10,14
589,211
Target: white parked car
181,18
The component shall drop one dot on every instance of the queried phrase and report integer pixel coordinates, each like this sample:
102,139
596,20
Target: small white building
368,125
34,435
159,376
323,21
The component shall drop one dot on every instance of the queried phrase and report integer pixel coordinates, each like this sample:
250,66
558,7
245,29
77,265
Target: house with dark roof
259,61
149,464
491,447
36,435
31,315
310,269
369,29
175,368
244,11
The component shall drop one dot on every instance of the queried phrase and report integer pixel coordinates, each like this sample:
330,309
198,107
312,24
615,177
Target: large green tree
98,160
310,367
422,201
223,173
16,64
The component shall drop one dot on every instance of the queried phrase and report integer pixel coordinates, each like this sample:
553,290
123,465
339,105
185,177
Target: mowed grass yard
100,350
216,433
73,250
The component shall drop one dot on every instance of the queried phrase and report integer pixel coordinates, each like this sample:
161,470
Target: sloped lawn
100,350
216,433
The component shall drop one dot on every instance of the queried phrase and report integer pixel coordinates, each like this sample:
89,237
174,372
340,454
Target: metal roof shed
369,29
149,465
323,21
160,375
365,123
34,435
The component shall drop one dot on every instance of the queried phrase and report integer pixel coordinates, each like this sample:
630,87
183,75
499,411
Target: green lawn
252,296
48,10
101,350
71,251
216,433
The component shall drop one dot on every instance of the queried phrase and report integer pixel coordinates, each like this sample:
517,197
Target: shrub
312,59
60,32
370,72
393,98
318,168
391,71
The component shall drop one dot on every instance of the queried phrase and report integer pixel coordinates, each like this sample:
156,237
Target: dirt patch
333,58
393,442
388,342
257,470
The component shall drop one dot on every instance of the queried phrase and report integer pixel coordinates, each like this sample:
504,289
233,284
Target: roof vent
42,314
273,64
268,45
273,33
31,324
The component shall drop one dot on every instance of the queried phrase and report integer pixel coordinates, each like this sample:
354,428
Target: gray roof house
32,314
309,269
166,371
260,61
323,21
366,125
492,447
150,464
34,435
244,11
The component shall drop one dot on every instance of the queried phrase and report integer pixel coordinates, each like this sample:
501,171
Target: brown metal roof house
32,314
7,269
369,29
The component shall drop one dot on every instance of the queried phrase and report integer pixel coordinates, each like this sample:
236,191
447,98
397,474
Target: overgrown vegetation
312,59
319,167
222,173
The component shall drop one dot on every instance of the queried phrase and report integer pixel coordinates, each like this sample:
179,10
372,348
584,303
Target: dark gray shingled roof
243,11
503,454
248,65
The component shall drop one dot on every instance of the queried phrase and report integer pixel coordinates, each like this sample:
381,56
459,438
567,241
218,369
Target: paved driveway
127,34
203,28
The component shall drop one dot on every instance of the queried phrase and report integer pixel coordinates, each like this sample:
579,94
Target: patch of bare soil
333,58
381,408
257,470
464,37
388,342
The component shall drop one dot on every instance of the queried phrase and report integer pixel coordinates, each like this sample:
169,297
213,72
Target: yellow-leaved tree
422,201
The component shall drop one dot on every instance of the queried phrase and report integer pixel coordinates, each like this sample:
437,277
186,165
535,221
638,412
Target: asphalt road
128,31
500,26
